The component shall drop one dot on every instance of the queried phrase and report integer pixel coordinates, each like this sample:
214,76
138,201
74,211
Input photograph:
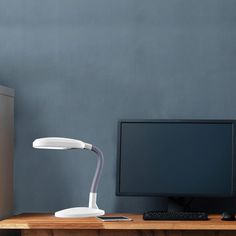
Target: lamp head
60,143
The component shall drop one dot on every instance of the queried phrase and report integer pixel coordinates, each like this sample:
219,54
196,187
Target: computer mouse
228,216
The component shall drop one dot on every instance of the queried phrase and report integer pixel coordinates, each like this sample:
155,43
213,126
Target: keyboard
165,215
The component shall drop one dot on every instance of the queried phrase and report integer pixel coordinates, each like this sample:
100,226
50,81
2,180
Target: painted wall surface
79,66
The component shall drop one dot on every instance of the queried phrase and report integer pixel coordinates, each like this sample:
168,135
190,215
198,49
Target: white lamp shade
58,143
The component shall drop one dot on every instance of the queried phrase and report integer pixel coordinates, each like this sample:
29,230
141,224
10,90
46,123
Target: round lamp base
79,212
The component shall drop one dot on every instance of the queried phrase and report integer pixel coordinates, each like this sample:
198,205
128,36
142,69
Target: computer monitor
176,158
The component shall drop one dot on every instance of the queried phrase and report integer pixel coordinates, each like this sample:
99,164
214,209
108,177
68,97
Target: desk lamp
64,144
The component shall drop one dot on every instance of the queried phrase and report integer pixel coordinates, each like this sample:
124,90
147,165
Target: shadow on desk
11,232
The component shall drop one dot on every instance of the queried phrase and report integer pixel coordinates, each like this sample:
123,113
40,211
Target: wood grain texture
125,233
48,221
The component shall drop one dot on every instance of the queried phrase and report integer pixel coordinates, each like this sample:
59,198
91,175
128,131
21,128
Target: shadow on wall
142,204
214,205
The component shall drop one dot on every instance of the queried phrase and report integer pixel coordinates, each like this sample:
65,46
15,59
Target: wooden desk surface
48,221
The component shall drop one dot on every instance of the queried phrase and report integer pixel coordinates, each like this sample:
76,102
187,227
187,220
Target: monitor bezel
205,121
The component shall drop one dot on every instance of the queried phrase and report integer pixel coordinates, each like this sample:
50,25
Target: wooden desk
48,225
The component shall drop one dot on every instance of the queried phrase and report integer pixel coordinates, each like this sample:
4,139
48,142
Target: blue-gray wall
80,65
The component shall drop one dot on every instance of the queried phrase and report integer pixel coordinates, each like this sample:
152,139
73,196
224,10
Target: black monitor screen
175,159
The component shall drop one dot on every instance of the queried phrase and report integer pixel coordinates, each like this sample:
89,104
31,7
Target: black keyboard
164,215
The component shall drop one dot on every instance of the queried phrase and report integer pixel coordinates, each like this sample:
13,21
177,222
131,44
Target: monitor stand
180,204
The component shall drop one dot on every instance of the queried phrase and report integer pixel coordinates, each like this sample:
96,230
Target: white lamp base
79,212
